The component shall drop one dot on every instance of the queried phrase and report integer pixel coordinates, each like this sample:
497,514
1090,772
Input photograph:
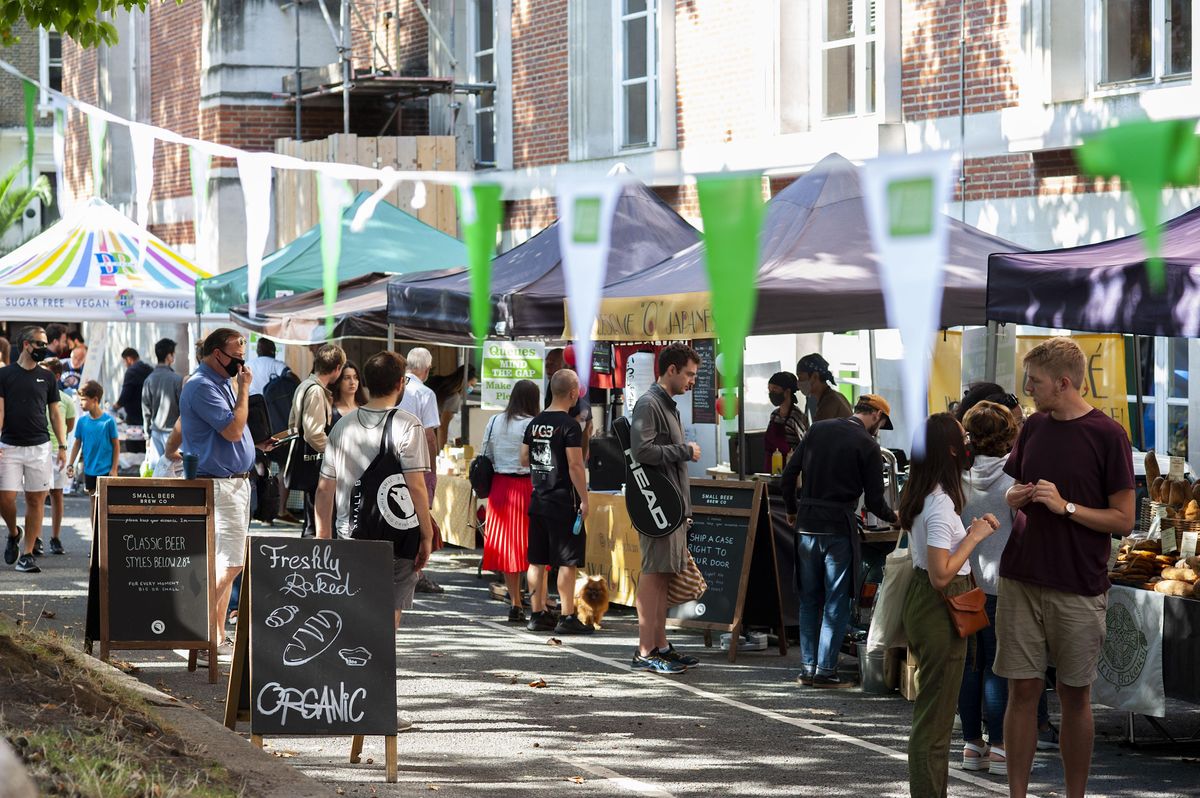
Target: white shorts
231,516
61,480
26,468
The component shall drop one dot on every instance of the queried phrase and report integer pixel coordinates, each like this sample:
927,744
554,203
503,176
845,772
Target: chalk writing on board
328,703
325,577
355,657
313,637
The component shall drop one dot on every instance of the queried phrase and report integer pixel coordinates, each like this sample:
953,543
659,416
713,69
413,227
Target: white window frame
44,67
478,109
650,80
1158,52
859,39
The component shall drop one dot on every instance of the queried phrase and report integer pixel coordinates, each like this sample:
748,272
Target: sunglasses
40,344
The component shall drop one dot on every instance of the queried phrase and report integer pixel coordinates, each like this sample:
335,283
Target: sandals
984,759
977,762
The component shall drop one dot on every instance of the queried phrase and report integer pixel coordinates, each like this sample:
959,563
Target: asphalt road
597,728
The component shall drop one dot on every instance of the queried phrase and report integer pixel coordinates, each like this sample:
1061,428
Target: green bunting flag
333,197
732,209
1147,157
479,209
31,96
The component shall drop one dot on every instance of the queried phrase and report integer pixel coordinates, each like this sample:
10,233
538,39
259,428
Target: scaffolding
325,86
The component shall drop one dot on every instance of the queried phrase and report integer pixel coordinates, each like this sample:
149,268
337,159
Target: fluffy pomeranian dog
591,599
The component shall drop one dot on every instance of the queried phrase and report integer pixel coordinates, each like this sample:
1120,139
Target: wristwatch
1069,510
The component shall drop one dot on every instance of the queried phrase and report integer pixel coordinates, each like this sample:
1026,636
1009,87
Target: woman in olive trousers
929,510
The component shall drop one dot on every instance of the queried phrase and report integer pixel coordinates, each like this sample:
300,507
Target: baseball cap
880,404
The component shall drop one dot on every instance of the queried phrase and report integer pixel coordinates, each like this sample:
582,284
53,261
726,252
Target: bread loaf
1180,492
1192,562
1152,471
1181,574
1173,587
1196,491
1156,490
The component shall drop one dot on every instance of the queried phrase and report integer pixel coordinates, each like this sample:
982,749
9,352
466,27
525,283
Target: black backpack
381,506
277,394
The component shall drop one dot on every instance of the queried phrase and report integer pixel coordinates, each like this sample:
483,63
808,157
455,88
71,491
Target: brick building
37,54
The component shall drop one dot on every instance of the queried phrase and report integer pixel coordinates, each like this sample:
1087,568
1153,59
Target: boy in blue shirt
96,433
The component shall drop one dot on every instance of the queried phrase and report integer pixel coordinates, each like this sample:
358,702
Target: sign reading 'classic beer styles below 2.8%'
505,363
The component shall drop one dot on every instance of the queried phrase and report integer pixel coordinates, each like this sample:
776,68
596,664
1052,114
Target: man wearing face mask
816,382
840,461
27,392
784,429
212,416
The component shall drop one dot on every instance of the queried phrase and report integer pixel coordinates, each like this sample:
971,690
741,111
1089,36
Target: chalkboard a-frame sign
155,580
315,652
732,544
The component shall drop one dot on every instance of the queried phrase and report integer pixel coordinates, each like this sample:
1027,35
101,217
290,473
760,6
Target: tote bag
887,626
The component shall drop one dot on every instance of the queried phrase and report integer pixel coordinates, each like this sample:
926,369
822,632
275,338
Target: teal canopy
392,242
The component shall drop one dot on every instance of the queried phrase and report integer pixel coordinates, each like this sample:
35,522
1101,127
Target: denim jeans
159,439
984,695
824,580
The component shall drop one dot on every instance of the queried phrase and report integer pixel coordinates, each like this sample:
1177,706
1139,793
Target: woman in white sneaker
929,510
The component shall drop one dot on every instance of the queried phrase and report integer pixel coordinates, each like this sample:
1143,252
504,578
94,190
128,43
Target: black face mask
39,353
776,398
234,365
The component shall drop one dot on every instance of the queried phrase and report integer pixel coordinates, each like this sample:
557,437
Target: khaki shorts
1037,627
404,582
231,517
665,555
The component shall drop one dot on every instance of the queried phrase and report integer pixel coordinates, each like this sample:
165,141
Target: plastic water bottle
575,530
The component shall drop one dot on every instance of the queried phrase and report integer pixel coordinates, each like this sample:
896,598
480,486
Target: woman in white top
941,547
506,527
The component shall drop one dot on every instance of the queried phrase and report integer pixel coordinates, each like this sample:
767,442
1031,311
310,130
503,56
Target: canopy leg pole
391,337
739,400
991,351
1140,427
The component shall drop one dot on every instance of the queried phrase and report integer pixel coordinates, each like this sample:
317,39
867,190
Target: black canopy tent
527,281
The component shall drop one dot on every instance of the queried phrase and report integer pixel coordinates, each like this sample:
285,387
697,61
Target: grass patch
82,734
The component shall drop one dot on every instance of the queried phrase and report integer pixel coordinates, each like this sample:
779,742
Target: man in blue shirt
213,424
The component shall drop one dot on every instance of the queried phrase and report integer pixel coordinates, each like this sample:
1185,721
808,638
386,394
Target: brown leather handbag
967,610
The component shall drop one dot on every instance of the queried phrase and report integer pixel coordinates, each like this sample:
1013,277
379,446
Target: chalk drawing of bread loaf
313,637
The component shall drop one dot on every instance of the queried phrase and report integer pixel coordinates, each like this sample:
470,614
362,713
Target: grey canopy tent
817,268
527,281
1103,287
358,312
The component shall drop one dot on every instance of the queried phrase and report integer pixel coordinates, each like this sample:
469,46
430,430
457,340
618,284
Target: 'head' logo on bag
396,504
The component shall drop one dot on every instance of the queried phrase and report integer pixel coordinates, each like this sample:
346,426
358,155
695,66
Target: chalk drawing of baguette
313,637
355,657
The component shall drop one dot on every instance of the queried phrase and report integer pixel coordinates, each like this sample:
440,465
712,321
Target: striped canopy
86,268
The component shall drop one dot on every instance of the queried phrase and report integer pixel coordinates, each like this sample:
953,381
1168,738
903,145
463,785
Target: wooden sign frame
107,644
755,517
239,679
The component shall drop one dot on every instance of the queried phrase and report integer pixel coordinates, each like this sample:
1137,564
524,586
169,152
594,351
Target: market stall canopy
817,271
527,281
1103,287
392,241
360,311
86,268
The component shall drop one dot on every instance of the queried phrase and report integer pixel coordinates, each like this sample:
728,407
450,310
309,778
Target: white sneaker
224,652
404,721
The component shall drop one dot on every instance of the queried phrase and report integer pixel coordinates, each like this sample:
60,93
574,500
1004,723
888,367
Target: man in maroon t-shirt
1074,487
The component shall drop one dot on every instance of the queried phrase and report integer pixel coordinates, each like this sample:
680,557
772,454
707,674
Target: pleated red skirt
506,531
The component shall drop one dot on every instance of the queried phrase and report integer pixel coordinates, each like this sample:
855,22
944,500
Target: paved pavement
596,728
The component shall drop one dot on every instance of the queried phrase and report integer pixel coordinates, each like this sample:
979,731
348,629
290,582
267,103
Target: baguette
1152,471
1180,574
1179,494
1172,587
1156,490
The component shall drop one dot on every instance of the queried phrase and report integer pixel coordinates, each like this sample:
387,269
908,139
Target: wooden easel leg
782,632
708,638
356,744
192,660
734,636
104,651
213,670
390,756
256,740
87,646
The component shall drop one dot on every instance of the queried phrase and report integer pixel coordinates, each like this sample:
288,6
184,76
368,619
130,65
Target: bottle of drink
776,463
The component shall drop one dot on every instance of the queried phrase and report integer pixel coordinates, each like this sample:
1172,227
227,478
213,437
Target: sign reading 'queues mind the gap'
505,363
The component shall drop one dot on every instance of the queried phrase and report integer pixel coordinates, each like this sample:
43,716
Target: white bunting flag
904,196
142,139
585,213
199,164
333,197
59,146
97,131
254,170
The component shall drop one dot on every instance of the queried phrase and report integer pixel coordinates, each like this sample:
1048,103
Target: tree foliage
14,199
82,20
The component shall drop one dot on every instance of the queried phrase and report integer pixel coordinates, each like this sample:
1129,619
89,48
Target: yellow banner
671,317
945,373
1103,380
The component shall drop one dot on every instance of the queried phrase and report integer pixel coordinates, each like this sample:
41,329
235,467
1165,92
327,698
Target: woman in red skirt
506,531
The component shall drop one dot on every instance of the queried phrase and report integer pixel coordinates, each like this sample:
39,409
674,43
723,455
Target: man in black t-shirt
553,452
581,411
130,400
27,463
